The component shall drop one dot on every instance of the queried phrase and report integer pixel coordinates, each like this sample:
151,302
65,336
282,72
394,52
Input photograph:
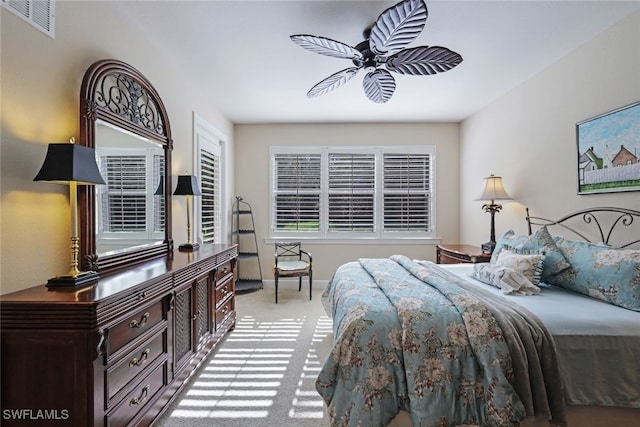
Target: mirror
128,220
129,213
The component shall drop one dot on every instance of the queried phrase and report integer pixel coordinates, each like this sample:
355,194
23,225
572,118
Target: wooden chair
292,261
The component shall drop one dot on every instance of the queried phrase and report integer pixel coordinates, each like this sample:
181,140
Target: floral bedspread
406,338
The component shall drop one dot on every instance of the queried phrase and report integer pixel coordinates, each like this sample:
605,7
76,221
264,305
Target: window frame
379,234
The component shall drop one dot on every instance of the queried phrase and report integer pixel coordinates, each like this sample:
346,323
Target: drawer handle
225,309
139,400
143,321
141,296
224,290
139,362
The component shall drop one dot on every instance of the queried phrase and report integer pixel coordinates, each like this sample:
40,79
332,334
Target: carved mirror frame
115,92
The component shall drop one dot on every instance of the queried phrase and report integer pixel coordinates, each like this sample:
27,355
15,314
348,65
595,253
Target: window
366,192
407,192
297,192
210,200
209,163
128,207
351,192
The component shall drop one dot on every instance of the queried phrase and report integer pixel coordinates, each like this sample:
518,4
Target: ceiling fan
383,50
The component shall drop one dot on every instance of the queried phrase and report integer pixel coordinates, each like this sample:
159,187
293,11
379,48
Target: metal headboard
603,220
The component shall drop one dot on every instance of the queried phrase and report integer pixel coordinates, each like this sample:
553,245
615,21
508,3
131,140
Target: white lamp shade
492,189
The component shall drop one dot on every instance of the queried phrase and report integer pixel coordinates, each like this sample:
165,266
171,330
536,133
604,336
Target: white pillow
507,279
529,264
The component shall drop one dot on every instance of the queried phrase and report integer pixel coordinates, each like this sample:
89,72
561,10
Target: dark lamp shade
160,189
70,162
187,186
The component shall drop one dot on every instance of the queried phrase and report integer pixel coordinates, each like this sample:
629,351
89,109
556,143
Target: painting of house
624,157
610,163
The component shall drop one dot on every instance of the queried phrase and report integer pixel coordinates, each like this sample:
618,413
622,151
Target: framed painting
609,151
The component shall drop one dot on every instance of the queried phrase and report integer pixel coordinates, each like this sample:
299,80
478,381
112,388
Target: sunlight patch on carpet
244,378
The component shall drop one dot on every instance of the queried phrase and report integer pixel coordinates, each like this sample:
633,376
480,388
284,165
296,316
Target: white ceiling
240,55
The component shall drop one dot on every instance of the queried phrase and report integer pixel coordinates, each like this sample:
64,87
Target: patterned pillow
541,240
530,264
510,281
608,274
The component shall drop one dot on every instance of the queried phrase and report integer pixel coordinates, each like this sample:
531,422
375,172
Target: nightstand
460,254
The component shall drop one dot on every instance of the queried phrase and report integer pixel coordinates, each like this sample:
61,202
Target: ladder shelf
244,235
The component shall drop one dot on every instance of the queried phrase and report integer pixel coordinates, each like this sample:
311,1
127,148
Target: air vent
39,13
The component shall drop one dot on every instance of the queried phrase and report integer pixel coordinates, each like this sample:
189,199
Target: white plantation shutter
407,192
209,162
358,192
296,192
351,192
124,198
210,217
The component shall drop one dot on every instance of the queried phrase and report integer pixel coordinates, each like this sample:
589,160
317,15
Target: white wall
40,86
528,136
252,181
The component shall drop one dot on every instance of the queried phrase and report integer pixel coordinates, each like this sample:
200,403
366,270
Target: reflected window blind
158,201
124,201
296,191
407,192
210,200
351,195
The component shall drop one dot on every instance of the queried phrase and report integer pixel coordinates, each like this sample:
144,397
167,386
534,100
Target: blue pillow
540,241
601,272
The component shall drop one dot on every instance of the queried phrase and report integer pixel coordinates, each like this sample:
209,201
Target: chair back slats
288,250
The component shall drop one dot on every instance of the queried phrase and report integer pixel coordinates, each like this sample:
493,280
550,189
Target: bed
422,344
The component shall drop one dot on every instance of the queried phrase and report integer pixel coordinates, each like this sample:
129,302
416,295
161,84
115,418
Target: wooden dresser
114,353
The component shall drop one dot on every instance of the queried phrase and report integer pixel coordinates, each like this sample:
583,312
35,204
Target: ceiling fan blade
398,26
325,46
423,60
379,85
332,82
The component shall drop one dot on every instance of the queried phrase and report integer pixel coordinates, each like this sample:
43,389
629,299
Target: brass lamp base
82,278
189,247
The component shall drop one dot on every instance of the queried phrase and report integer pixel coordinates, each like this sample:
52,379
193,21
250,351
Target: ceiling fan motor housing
368,61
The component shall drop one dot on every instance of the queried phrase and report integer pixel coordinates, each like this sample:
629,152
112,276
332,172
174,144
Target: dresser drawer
224,291
134,364
223,270
138,399
223,312
134,326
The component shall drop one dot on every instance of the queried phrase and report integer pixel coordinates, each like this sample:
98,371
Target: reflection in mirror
129,213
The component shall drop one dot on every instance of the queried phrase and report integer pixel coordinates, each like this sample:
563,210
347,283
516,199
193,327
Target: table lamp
188,186
492,190
72,164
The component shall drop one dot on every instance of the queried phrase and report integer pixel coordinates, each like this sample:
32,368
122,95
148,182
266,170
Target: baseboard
316,284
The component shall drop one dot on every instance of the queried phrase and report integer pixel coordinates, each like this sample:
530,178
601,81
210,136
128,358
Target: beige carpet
263,373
